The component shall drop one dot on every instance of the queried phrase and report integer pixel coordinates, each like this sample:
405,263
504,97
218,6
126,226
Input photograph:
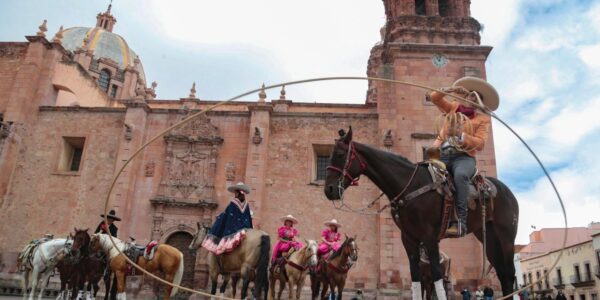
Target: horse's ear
354,238
198,224
86,230
347,138
75,229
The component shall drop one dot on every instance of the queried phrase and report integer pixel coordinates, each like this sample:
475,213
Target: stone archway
181,240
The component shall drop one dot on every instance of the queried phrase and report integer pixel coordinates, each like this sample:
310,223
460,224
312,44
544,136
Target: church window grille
104,80
322,155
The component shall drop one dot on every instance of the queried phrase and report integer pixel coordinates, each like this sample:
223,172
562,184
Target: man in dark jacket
560,296
105,228
111,228
488,293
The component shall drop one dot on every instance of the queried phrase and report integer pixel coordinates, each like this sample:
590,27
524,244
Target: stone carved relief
230,171
4,133
190,163
150,168
128,132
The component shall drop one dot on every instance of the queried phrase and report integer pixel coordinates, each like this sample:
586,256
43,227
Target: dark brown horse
80,267
420,219
332,273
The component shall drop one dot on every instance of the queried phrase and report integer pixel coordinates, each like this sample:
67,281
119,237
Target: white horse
40,267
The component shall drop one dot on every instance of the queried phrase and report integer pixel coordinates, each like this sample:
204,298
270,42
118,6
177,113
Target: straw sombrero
240,186
289,218
333,222
488,93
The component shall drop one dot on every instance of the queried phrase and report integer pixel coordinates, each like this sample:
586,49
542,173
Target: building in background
74,107
576,273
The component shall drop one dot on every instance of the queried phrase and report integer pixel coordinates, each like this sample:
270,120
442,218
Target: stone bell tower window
104,80
420,7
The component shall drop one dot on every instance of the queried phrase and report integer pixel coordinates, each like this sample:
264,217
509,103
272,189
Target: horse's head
81,241
203,230
345,166
311,251
350,248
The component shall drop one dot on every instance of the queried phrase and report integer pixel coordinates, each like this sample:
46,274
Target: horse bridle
351,156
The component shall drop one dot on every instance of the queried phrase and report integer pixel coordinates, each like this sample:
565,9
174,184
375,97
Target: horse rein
351,156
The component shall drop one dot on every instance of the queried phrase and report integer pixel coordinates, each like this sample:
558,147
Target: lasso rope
193,116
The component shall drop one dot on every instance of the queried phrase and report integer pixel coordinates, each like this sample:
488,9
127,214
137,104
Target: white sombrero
240,186
289,218
333,222
488,93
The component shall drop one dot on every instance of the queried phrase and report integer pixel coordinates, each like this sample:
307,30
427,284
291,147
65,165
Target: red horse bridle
351,156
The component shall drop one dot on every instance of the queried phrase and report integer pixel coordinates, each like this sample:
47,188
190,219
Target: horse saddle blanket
134,251
442,183
25,258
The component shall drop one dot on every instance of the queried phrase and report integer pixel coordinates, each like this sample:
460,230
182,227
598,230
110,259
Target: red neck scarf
467,111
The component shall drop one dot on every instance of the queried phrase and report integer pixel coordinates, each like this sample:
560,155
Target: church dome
102,44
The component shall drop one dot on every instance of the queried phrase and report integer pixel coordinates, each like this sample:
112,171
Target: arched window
104,79
420,7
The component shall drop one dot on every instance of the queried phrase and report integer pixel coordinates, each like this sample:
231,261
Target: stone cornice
137,104
40,39
261,107
202,204
326,115
83,109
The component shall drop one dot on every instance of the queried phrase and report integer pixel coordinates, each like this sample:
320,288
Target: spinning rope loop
193,116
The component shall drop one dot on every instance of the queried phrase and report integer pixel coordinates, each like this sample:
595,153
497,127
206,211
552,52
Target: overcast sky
545,64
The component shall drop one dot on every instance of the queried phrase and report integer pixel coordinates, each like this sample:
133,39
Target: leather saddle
134,251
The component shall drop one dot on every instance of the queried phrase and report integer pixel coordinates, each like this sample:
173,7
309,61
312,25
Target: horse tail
262,278
178,275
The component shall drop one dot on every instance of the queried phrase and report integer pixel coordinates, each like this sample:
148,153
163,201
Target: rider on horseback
458,142
330,238
229,228
287,235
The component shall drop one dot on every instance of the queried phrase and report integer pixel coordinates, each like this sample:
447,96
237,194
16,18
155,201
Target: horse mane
338,252
388,156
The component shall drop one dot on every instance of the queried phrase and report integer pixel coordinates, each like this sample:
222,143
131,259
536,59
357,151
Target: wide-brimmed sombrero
333,222
240,186
111,215
488,93
289,218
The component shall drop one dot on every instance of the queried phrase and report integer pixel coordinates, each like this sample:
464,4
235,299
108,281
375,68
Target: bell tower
434,43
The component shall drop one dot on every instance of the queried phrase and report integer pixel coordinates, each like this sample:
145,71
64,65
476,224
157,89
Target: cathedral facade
75,107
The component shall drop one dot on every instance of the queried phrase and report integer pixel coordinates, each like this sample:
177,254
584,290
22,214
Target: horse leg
412,250
168,277
213,281
500,257
44,282
315,286
226,278
35,276
25,282
281,288
299,286
433,251
245,280
235,277
290,284
120,277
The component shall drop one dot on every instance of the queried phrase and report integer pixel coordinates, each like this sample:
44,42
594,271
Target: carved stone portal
190,164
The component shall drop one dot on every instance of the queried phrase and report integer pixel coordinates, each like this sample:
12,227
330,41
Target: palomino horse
294,271
250,257
167,259
332,272
420,219
39,265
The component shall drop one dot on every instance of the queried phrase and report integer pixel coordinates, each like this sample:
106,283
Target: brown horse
294,271
420,219
167,259
250,257
332,273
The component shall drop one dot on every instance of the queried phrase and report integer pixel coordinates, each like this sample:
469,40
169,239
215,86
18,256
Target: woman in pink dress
330,238
287,235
